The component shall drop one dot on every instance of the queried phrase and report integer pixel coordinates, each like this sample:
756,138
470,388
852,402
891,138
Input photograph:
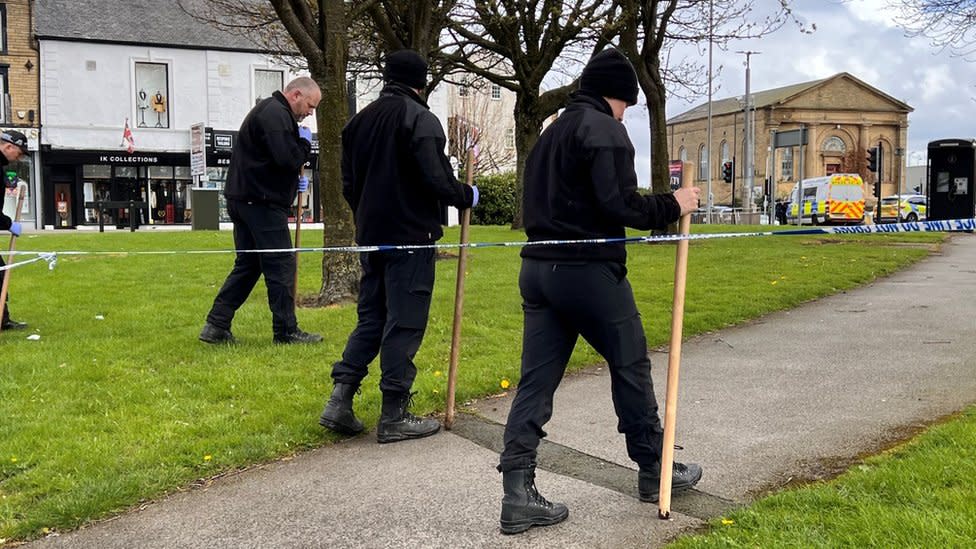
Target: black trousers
562,301
394,303
258,227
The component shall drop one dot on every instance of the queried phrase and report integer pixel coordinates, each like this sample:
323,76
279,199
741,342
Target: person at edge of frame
13,146
395,178
580,183
262,182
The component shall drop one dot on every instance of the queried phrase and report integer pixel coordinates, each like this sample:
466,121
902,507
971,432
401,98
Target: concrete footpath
791,396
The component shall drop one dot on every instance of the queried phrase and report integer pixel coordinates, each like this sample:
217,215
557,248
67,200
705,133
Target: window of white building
496,92
152,90
266,82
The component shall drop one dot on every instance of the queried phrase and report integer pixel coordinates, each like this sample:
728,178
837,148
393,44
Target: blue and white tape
950,225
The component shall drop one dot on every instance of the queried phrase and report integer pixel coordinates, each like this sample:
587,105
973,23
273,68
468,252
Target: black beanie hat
610,74
406,67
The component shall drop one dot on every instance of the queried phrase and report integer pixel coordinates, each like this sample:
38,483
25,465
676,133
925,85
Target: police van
836,199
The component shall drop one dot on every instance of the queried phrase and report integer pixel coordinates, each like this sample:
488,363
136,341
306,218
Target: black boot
215,335
523,507
397,424
683,477
338,414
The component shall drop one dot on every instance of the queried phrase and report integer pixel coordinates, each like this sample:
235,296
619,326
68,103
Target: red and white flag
127,140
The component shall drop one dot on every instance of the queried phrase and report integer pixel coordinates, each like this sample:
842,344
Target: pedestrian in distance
395,177
13,146
580,183
780,211
262,182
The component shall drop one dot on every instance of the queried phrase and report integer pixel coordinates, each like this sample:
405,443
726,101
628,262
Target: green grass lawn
920,494
118,402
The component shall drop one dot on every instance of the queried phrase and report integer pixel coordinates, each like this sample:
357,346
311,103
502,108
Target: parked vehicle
912,208
834,199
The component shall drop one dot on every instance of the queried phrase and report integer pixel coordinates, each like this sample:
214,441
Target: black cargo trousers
394,303
259,226
561,301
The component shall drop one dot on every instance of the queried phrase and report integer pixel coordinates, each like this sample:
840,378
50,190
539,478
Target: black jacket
580,183
268,155
395,175
5,221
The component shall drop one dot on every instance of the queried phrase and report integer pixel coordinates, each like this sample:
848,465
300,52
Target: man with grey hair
262,183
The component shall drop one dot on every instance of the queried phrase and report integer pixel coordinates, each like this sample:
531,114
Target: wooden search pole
298,233
458,303
674,365
10,255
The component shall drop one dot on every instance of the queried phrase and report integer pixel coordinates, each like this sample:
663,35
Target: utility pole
750,140
708,146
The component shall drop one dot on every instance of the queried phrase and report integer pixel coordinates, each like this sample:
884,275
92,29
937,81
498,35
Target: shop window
266,82
152,101
17,178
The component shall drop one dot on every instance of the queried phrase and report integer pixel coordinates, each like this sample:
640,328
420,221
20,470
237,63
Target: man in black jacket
13,147
580,183
395,177
262,182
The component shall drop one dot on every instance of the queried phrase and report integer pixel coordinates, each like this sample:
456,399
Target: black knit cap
610,74
406,67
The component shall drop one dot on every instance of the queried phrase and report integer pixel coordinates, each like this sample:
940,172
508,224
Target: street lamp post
750,143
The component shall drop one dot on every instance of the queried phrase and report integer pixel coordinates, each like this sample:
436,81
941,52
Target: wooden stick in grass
10,254
674,365
458,303
298,233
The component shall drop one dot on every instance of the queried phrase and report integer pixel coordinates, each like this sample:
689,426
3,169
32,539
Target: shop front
21,177
79,182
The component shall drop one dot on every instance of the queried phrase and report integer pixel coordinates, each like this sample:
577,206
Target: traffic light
727,171
873,157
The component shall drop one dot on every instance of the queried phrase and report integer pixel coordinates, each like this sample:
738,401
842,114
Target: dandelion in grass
727,522
775,282
13,459
505,383
207,457
437,373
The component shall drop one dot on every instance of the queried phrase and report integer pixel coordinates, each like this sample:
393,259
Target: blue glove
474,201
302,183
305,134
15,228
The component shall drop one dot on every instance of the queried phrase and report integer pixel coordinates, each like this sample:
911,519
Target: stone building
843,116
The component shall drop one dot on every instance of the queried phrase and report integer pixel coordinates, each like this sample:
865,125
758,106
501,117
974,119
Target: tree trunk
340,271
657,121
528,126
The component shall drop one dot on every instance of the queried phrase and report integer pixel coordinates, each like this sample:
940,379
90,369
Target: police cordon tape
947,225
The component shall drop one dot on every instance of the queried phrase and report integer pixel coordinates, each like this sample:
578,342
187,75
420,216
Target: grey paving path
757,410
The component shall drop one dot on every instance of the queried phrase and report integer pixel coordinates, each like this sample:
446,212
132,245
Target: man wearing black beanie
580,184
395,178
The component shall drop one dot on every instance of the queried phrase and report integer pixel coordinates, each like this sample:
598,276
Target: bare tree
650,29
516,44
948,24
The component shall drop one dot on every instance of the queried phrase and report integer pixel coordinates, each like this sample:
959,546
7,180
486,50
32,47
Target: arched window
725,151
702,163
683,154
834,144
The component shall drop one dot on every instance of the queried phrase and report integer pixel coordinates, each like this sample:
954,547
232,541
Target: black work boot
10,324
297,336
683,477
338,414
213,334
397,424
523,507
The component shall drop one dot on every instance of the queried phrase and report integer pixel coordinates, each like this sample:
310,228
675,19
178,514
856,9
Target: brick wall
22,82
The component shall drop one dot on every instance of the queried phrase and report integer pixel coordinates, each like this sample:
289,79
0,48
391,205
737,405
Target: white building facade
95,82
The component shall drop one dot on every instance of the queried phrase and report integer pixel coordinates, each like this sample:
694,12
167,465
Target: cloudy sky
854,36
